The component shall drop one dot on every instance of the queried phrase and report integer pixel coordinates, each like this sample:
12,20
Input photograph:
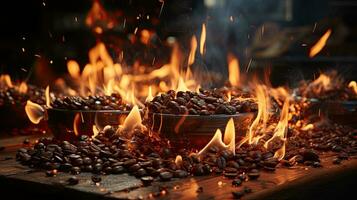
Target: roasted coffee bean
336,161
73,180
165,176
140,173
147,180
129,162
75,170
236,182
197,170
221,162
26,141
316,164
238,194
51,173
118,169
180,174
253,174
96,178
97,167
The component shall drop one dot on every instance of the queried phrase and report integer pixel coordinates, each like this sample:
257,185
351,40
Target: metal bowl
196,129
63,122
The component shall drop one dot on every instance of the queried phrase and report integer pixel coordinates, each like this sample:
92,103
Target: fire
191,57
23,88
181,85
322,83
216,141
34,112
95,131
307,127
48,97
76,123
5,81
203,39
320,44
150,96
178,161
353,85
133,120
233,70
229,96
262,116
73,69
145,36
281,130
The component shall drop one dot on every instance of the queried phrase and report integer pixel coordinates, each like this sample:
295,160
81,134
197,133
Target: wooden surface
293,183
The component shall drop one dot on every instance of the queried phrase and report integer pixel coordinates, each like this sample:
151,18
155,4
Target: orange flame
191,57
203,39
181,85
322,83
133,120
95,131
5,80
73,69
150,96
233,70
34,112
320,44
281,130
216,141
48,97
178,161
353,85
307,127
76,123
23,88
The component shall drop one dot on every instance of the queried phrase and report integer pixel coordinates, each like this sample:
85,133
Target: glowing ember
320,44
203,39
178,161
34,112
307,127
353,85
233,70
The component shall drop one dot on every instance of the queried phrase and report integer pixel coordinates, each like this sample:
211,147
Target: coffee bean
180,174
336,161
221,162
238,194
96,178
165,176
253,174
73,180
147,180
75,170
236,182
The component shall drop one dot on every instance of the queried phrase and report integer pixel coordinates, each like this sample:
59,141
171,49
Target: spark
248,67
23,49
162,6
315,25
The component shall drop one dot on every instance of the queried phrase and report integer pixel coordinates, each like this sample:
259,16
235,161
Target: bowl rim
204,116
88,111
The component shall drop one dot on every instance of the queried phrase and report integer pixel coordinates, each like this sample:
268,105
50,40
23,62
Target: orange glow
178,161
34,112
216,141
191,57
48,97
320,44
181,85
229,96
145,37
233,70
307,127
150,96
73,69
281,130
203,39
133,120
353,85
23,88
95,131
322,83
76,123
5,80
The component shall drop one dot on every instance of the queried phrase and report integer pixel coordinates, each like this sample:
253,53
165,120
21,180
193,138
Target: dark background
51,32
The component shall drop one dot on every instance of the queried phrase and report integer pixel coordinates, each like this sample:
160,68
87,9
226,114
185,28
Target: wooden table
329,182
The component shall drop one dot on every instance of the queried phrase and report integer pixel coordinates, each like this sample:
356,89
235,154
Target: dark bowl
61,122
197,129
342,112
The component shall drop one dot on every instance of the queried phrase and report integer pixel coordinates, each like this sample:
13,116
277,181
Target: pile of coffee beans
112,102
206,102
12,96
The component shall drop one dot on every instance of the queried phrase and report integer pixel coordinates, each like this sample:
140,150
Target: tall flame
133,120
48,97
191,57
34,112
203,39
353,85
150,96
73,69
281,130
182,85
320,44
76,123
216,141
233,70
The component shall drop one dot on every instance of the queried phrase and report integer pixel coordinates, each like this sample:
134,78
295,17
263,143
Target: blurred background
38,37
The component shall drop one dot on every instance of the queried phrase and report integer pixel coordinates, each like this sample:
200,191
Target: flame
203,39
181,85
307,127
34,112
322,83
178,161
149,97
73,69
353,86
5,80
216,141
48,97
229,96
281,130
320,44
191,57
233,70
23,88
95,131
145,36
133,120
262,116
76,123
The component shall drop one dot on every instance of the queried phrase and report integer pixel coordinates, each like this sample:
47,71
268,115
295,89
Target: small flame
23,88
322,83
73,69
133,120
307,127
34,112
182,85
216,141
178,161
203,39
229,96
233,69
320,44
48,97
150,96
95,131
5,79
145,36
281,130
191,57
280,153
76,123
353,85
